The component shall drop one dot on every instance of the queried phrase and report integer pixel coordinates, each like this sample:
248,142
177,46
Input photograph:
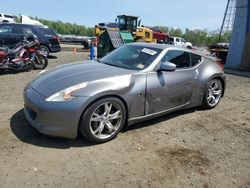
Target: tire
189,47
212,94
40,62
101,121
44,50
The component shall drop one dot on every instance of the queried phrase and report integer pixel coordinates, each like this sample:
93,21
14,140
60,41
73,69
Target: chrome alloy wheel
105,120
214,92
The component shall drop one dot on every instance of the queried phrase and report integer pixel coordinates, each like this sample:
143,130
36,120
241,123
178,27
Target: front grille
32,114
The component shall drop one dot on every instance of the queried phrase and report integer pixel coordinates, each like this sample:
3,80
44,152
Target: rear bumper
55,48
58,119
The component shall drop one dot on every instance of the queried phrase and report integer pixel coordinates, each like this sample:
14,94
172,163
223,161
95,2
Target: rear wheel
212,94
103,120
40,62
44,50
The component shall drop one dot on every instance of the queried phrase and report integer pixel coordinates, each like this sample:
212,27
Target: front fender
129,88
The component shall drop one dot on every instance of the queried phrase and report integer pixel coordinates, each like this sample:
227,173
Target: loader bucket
112,39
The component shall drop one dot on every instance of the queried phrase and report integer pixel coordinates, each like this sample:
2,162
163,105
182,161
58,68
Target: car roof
165,46
151,45
43,26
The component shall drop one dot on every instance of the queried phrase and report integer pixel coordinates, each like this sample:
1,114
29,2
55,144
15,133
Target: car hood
62,77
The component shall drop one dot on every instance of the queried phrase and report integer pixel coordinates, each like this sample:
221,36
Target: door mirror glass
167,66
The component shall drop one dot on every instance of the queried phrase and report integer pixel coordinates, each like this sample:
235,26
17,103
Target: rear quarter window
47,31
195,59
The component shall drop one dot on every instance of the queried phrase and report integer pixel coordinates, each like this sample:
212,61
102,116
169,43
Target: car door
167,90
6,35
178,42
182,42
22,31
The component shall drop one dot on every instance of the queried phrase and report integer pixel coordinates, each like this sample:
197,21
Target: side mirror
167,66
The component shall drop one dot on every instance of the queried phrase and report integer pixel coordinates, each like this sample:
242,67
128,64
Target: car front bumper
59,119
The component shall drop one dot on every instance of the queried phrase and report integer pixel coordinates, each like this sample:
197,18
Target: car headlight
66,94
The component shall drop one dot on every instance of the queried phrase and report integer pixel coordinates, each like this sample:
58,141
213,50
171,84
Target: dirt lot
190,148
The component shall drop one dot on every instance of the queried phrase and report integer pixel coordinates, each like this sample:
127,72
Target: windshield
131,57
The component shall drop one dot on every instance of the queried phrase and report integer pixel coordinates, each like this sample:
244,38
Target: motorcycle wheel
40,62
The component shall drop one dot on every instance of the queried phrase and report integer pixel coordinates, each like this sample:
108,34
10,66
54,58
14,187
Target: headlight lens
66,94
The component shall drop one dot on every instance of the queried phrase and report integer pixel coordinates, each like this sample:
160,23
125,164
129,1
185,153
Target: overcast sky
173,13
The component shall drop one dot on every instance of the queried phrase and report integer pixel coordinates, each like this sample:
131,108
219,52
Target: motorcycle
23,57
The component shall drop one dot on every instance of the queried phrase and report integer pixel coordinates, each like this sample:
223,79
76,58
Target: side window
147,34
121,22
8,16
135,23
195,59
177,40
180,58
26,31
182,40
6,29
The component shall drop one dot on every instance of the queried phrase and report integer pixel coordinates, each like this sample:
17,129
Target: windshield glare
131,57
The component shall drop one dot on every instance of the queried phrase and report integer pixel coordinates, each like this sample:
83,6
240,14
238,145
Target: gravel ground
190,148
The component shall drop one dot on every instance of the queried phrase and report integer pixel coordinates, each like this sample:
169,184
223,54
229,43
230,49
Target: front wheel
103,120
212,94
40,61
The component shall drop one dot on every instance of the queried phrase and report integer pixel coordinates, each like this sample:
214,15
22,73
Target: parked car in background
12,33
6,18
74,39
135,82
177,41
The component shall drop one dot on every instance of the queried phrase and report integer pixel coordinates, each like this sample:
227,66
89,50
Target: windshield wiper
112,65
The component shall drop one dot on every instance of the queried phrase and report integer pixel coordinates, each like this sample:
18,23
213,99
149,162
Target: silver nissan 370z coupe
133,83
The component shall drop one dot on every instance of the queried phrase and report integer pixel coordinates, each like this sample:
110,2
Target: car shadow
28,134
5,72
160,119
52,57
